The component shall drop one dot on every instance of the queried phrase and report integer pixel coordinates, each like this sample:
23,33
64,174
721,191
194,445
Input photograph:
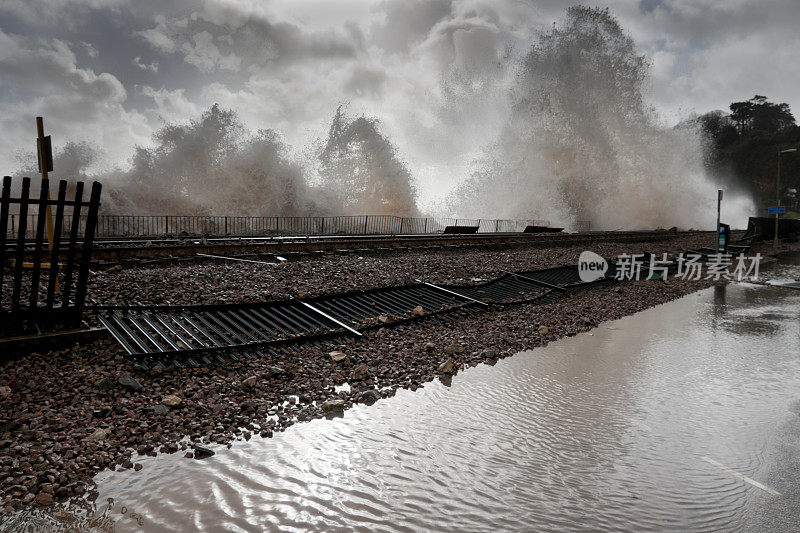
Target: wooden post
86,250
20,252
43,159
4,208
43,163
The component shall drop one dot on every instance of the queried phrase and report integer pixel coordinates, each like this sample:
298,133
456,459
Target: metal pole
778,199
719,206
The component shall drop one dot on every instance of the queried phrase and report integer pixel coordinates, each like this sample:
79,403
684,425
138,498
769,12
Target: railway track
119,249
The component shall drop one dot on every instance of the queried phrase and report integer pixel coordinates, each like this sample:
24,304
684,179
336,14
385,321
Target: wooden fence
46,292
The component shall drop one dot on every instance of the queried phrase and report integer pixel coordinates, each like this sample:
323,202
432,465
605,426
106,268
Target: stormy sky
434,72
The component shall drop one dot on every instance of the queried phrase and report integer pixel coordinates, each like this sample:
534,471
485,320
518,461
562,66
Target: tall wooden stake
43,169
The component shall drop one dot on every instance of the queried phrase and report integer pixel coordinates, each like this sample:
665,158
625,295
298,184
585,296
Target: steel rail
332,319
453,293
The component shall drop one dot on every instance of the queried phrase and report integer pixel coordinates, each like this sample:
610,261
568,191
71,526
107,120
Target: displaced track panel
165,332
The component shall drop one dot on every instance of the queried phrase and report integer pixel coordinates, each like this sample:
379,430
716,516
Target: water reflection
597,432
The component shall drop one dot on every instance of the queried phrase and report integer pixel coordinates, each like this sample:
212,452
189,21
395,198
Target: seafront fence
156,226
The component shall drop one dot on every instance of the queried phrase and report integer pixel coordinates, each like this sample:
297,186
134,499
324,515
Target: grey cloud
162,36
206,56
45,14
51,66
364,81
407,22
91,51
222,37
153,67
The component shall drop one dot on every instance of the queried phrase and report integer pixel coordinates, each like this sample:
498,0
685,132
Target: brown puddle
681,417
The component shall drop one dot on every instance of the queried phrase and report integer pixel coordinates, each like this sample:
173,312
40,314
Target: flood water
682,417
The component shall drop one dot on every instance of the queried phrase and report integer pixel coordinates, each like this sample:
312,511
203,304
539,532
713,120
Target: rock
360,371
250,382
370,396
170,400
28,498
418,311
332,406
101,412
44,499
587,321
99,434
189,455
489,354
543,330
160,409
202,451
114,269
5,391
137,466
429,347
337,357
302,294
273,371
129,382
454,348
447,366
383,319
104,383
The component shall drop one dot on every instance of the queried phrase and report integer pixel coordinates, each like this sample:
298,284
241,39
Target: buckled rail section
197,333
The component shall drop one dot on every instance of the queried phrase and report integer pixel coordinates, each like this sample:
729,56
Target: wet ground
682,417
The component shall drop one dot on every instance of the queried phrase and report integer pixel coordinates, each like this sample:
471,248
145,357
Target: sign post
777,210
719,207
45,154
723,237
778,197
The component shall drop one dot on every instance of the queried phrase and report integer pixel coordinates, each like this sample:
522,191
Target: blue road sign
777,210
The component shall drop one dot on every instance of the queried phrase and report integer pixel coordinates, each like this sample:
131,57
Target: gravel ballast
220,281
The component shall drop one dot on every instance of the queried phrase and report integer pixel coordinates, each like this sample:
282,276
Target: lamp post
778,197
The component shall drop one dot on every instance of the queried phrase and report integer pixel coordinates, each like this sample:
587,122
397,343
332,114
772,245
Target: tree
743,151
760,115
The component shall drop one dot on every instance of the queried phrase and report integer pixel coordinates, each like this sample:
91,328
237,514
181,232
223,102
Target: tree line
744,147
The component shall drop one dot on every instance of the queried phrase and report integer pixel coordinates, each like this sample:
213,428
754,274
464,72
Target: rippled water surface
682,417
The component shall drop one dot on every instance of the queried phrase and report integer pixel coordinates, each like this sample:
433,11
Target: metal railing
154,226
